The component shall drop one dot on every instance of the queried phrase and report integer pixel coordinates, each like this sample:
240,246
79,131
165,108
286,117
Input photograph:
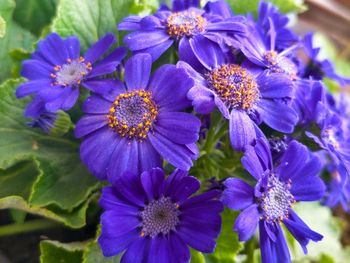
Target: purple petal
137,252
157,50
137,71
130,23
96,105
242,131
186,54
281,248
187,186
301,231
207,52
30,87
110,201
252,163
202,99
167,81
96,150
124,158
73,47
53,50
238,194
99,48
153,182
178,249
90,123
145,39
117,232
102,69
277,115
35,69
71,99
100,86
159,251
179,127
247,222
116,56
153,158
176,154
276,85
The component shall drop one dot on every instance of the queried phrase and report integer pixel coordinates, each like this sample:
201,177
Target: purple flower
260,50
317,68
269,203
132,128
269,15
56,70
332,138
243,98
155,219
182,25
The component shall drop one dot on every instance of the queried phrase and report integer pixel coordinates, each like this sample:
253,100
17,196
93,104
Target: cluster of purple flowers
136,119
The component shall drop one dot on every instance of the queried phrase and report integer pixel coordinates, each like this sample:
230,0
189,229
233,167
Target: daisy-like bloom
270,202
132,127
155,219
316,67
260,49
332,138
243,98
56,70
182,25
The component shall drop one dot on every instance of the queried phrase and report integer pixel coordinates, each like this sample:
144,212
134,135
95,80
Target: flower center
234,85
159,217
71,73
132,114
185,23
276,201
280,64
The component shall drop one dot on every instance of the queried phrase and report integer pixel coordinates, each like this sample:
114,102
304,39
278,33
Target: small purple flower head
268,16
245,99
155,218
270,202
132,127
317,68
181,25
56,70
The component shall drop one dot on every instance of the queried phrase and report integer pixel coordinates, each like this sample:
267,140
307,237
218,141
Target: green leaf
34,15
56,252
15,37
64,180
89,19
251,6
93,254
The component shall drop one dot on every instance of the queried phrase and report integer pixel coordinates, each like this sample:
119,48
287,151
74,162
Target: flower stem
28,226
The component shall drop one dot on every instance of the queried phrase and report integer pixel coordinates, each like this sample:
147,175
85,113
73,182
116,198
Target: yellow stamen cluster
234,85
280,64
71,73
271,57
132,114
185,23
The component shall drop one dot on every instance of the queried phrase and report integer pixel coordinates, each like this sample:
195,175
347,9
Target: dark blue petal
30,87
99,48
137,71
153,183
145,39
73,47
247,222
90,123
137,252
238,194
242,131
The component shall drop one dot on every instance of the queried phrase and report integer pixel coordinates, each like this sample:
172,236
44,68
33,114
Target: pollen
235,86
132,114
71,73
185,23
276,201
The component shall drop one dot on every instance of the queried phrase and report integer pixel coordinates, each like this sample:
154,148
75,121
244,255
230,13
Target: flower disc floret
276,201
185,23
71,73
159,217
132,114
234,85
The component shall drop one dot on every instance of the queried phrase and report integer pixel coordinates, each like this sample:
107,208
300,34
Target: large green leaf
56,252
64,180
251,6
14,37
34,15
89,19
